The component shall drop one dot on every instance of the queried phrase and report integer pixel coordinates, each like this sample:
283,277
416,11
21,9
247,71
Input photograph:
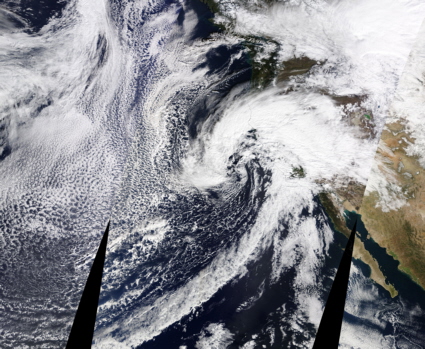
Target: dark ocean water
266,298
406,287
252,305
263,319
399,316
36,13
218,59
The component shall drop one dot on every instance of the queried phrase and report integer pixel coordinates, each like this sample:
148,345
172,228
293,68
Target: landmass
393,208
399,229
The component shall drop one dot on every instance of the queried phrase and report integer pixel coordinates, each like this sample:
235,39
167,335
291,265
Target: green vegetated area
410,274
212,5
337,220
264,69
263,56
297,172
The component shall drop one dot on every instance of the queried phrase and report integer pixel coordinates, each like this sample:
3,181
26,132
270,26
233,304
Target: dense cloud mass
145,113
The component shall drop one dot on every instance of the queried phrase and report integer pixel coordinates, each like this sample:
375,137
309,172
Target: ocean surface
145,113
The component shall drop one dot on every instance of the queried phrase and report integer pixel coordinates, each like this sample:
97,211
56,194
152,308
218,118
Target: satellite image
232,145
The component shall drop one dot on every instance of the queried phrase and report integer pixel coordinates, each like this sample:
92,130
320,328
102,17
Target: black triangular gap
81,335
329,331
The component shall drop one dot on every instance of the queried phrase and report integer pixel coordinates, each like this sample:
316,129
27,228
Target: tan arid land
393,208
401,230
345,200
393,212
